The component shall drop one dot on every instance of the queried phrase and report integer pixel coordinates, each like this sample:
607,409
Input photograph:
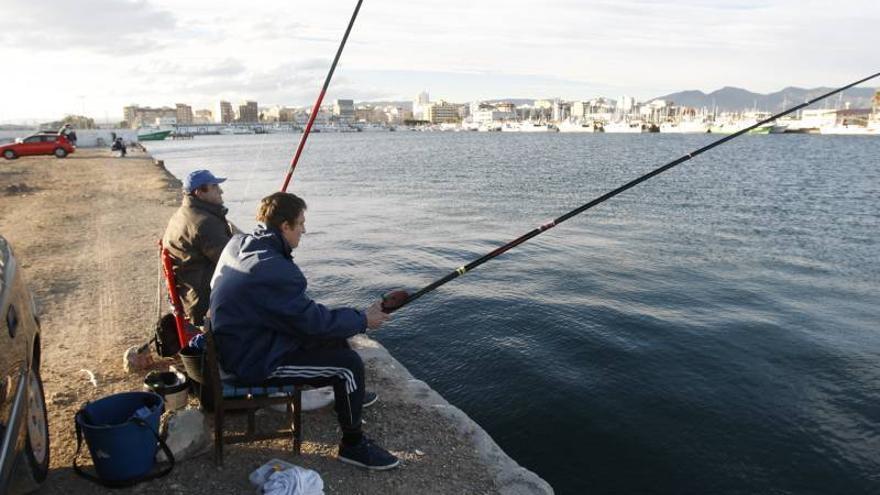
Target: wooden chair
228,396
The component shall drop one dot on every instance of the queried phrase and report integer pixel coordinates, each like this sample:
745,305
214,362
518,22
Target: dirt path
85,230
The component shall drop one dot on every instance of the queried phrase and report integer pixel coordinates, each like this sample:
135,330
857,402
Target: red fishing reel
394,300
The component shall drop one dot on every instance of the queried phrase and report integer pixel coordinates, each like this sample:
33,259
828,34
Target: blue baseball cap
198,178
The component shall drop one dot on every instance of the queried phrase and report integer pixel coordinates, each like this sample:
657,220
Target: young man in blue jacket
267,328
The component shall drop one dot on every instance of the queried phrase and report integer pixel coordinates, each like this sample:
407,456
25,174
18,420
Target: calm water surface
715,330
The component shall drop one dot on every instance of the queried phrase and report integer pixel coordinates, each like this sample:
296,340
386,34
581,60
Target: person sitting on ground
196,235
267,328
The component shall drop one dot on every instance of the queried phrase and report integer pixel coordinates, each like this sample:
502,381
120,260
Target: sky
92,57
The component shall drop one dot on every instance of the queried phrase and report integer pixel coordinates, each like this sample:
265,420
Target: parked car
24,429
38,144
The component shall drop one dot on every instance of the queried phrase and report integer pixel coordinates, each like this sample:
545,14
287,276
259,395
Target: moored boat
528,127
154,136
624,127
578,127
849,130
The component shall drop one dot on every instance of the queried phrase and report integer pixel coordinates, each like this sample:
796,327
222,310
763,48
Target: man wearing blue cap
195,237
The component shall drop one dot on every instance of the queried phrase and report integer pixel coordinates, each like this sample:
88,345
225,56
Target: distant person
68,132
267,327
119,145
194,238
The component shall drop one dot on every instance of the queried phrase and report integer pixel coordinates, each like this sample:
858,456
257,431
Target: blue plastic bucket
121,448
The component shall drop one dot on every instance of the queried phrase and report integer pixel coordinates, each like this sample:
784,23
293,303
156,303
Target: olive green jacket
195,237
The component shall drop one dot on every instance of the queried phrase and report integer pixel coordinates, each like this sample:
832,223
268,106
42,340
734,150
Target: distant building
876,103
370,115
138,116
184,113
506,107
248,112
286,114
344,110
225,115
484,113
270,114
418,110
203,116
441,112
396,115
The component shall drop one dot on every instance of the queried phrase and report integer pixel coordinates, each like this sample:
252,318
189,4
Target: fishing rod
397,299
308,129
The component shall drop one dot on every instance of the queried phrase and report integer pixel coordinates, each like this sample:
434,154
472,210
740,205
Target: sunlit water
714,330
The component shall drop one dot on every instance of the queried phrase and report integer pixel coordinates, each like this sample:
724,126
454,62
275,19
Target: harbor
599,115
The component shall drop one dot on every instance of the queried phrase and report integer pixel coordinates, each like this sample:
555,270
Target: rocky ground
84,229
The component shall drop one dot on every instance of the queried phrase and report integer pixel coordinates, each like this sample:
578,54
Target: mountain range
730,99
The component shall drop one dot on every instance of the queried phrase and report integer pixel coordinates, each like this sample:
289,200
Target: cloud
226,68
103,26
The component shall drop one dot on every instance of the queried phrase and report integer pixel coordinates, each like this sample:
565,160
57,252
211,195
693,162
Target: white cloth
312,399
278,477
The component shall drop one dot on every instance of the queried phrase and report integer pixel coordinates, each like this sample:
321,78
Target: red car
38,144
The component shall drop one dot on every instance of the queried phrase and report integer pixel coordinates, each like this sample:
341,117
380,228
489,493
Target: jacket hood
267,237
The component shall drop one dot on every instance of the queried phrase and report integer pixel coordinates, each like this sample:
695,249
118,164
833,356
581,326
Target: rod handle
393,300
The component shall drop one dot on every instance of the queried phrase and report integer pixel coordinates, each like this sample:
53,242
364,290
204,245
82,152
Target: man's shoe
370,398
367,455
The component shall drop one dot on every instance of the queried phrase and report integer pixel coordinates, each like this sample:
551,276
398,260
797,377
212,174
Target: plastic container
171,385
193,360
121,448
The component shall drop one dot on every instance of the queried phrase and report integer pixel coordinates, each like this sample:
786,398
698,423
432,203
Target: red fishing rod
397,299
308,129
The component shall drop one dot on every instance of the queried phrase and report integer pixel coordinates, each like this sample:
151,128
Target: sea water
714,330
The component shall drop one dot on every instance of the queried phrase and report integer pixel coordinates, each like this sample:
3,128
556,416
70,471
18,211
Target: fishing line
397,299
307,130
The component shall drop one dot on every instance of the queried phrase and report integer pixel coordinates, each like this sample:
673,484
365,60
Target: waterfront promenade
85,229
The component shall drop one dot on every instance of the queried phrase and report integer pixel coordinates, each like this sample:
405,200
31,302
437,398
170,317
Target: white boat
731,126
623,127
528,127
684,127
371,127
333,128
282,129
849,130
577,127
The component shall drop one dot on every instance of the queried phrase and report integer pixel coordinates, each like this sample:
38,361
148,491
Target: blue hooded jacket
260,310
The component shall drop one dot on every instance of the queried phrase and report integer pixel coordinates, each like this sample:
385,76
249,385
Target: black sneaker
367,455
370,398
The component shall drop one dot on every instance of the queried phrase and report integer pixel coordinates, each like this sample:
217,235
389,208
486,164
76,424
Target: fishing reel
394,300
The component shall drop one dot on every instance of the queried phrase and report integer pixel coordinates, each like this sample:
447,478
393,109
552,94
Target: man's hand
375,316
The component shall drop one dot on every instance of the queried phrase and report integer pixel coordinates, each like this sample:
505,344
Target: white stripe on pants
307,372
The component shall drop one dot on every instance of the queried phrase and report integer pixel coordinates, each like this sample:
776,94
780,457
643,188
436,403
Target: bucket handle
121,483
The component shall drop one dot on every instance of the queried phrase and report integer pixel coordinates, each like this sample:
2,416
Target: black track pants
329,363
